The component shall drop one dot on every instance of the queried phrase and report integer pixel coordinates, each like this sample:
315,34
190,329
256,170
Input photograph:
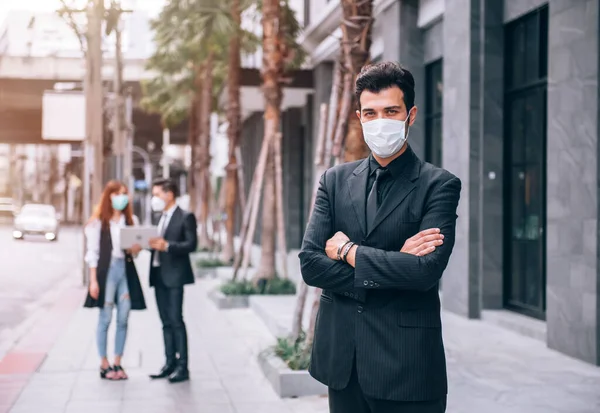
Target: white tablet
137,235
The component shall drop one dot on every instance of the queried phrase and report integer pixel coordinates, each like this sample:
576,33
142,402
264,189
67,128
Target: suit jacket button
346,294
371,283
360,308
365,282
376,285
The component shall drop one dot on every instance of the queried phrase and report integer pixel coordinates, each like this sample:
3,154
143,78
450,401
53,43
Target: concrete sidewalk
490,369
225,376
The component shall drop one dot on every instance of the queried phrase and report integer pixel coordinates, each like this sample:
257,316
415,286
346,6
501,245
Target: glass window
525,156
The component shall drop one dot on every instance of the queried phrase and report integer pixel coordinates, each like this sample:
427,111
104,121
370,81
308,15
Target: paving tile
97,406
262,407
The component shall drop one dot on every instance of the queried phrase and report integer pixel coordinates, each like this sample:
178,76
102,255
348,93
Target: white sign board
63,115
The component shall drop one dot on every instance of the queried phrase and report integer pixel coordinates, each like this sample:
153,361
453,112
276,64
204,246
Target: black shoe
165,372
180,374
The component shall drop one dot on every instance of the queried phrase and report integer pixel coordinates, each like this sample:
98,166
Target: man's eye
392,112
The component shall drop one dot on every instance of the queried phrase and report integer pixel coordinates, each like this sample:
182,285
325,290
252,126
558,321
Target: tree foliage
185,33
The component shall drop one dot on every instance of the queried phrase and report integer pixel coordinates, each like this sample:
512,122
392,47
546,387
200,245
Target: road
32,272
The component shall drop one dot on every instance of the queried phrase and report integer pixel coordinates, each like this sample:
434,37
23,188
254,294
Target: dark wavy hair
379,76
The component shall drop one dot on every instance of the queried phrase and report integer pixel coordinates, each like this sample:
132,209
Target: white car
36,219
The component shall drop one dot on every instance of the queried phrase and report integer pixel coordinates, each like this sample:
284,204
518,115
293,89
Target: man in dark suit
170,270
377,243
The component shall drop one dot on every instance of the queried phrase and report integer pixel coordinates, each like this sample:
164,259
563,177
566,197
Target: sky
151,6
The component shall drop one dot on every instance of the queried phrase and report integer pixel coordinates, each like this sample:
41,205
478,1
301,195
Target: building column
403,43
573,181
472,150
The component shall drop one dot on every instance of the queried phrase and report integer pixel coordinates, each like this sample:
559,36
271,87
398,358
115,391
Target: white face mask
385,137
157,204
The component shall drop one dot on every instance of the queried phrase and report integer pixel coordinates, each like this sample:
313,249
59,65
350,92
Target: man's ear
358,114
413,116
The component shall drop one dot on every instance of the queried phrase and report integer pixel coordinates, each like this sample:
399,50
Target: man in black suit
377,243
170,270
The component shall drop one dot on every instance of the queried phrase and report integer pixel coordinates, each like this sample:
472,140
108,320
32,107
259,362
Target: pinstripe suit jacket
386,310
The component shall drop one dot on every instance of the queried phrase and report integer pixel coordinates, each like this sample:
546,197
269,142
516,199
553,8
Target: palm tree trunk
272,72
233,131
203,154
192,133
197,149
355,44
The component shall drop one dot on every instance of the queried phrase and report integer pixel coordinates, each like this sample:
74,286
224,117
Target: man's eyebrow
386,108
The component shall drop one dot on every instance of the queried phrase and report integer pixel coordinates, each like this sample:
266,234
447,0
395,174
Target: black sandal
119,373
104,372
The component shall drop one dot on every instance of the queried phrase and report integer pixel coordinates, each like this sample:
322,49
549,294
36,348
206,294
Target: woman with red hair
113,277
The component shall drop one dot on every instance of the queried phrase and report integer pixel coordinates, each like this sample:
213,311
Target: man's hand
333,243
158,244
423,243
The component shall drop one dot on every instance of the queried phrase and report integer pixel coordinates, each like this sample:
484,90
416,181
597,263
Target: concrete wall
573,284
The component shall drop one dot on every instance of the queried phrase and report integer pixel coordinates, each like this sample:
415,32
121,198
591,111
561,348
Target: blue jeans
116,291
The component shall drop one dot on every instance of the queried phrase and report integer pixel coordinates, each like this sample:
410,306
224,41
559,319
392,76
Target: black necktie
372,199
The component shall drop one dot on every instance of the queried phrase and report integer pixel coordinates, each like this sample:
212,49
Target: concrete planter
206,272
225,302
287,382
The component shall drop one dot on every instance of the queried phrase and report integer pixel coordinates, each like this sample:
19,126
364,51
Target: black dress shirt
395,168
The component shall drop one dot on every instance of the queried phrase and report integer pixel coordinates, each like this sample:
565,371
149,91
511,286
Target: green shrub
210,263
275,286
238,288
295,355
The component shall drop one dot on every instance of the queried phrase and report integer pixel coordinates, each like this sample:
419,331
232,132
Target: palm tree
280,52
234,120
355,45
192,42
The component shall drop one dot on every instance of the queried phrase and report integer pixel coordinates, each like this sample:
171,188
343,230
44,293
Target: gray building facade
508,101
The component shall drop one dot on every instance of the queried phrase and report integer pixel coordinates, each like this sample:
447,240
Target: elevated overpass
24,79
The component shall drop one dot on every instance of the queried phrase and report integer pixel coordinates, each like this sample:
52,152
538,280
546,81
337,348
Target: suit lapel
357,186
172,222
401,187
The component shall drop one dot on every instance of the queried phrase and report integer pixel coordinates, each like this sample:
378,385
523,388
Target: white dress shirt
163,223
92,235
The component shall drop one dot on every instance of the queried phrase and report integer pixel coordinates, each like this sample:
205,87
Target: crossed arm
417,266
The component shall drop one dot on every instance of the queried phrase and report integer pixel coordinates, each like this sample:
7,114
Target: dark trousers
170,308
352,400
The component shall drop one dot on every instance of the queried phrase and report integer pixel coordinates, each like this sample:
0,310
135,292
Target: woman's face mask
119,201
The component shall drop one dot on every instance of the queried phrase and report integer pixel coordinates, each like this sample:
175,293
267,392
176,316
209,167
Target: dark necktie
372,199
161,233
